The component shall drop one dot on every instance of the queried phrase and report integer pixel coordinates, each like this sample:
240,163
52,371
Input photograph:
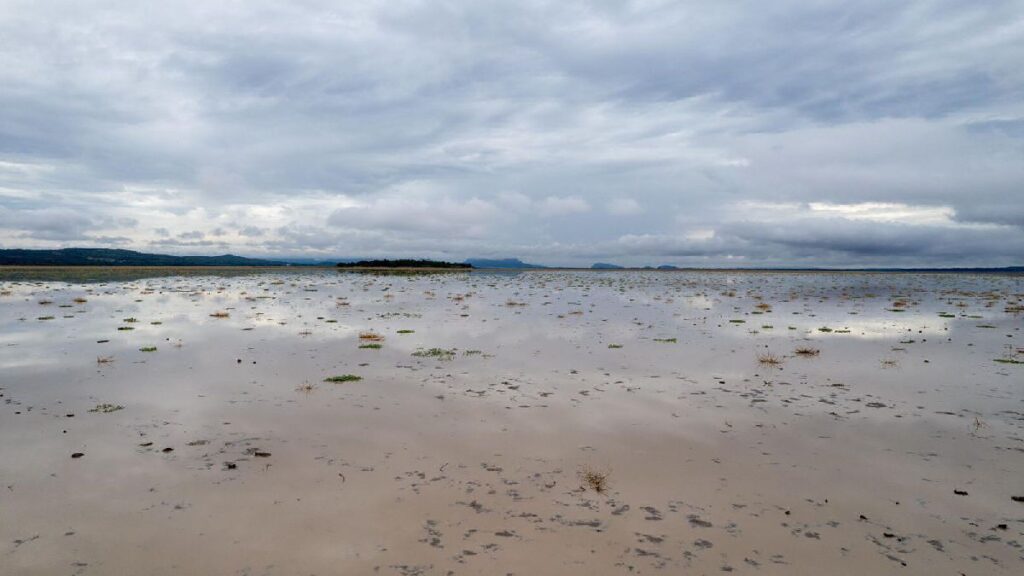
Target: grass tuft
343,378
769,359
439,353
593,479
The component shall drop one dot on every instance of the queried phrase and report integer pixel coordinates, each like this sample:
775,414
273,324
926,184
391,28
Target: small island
405,264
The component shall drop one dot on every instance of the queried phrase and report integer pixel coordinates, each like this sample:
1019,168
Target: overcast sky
710,133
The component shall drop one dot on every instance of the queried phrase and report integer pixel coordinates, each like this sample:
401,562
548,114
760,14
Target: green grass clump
406,331
666,340
824,329
439,353
372,346
123,328
343,378
615,345
147,349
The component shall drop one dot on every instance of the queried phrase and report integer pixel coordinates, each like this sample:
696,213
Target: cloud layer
689,133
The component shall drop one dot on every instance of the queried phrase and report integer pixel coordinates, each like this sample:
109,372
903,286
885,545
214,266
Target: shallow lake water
543,422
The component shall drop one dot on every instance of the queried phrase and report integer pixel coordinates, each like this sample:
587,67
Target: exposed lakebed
316,422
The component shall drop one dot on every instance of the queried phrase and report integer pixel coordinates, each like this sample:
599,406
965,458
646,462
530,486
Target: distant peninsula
116,257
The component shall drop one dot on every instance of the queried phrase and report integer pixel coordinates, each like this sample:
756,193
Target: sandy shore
796,423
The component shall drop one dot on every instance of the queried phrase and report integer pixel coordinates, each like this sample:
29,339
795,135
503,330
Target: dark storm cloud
563,131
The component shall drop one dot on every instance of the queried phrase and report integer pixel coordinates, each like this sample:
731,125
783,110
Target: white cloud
562,205
435,216
624,207
886,212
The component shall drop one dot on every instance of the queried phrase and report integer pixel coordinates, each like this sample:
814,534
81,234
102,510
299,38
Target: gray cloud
639,131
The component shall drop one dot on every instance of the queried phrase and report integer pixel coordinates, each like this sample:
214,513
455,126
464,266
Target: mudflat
546,422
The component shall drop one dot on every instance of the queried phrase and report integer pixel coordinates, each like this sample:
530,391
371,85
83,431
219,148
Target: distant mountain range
109,257
501,263
405,263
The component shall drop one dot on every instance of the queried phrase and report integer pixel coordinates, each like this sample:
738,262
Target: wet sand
893,444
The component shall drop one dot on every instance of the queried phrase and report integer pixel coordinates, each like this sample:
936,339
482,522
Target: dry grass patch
769,359
594,479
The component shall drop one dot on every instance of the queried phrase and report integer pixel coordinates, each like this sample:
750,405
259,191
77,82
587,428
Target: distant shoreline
344,268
